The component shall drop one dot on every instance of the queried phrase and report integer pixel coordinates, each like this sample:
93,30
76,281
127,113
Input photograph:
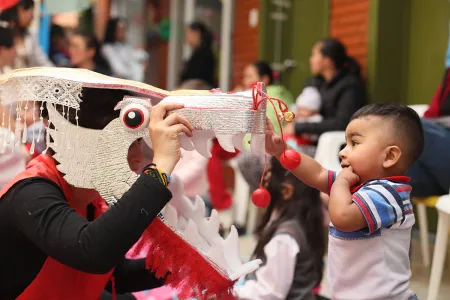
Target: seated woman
125,61
84,51
339,84
429,174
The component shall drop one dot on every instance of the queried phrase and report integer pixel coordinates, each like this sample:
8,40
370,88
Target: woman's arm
274,279
44,216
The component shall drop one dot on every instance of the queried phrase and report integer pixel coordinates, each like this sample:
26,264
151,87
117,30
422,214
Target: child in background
370,206
291,241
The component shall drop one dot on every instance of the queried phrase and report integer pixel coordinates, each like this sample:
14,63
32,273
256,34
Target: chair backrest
328,147
419,108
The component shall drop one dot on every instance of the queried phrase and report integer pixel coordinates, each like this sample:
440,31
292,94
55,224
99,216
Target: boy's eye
354,143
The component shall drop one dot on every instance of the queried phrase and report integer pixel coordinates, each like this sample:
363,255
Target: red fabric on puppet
220,197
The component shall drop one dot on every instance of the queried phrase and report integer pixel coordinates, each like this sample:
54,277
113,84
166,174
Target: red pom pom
290,159
261,197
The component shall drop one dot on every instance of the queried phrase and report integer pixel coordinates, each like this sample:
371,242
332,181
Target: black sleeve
132,276
201,66
348,104
44,216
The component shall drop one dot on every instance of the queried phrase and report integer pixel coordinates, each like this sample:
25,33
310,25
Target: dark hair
57,31
11,15
6,37
111,29
206,37
92,43
336,51
264,69
408,126
305,207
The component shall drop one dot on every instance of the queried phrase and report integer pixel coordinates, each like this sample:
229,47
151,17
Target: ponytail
336,51
353,66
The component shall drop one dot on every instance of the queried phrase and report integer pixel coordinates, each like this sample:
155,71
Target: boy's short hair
407,125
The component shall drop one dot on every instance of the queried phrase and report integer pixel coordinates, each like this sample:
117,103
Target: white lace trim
40,88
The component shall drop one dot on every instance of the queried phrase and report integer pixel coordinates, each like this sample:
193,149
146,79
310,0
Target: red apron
56,281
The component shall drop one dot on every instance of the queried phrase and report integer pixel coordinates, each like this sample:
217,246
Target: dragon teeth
201,141
188,219
186,142
257,144
216,255
238,141
226,142
231,243
191,233
170,216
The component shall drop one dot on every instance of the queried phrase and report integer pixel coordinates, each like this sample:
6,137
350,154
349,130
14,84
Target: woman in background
84,50
125,61
340,86
19,15
12,158
202,63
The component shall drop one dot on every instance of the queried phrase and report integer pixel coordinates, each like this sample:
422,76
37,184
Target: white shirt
274,279
125,61
373,263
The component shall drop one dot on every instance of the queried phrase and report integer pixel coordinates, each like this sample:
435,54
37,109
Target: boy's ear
392,156
287,191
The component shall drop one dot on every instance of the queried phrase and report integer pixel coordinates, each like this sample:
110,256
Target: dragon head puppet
181,242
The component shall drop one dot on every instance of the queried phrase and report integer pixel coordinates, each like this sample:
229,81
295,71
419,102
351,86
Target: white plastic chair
440,247
328,147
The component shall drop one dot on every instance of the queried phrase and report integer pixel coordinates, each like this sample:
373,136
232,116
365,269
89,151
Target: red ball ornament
261,197
290,159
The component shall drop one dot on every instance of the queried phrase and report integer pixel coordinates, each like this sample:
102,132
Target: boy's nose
342,153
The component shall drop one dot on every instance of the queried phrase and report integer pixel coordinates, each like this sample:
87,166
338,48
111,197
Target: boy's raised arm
311,173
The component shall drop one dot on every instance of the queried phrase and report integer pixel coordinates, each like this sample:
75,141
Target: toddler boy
370,206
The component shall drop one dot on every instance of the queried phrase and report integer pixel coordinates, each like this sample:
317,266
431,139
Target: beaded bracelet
159,175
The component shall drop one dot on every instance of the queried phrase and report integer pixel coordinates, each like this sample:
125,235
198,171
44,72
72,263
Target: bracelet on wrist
153,171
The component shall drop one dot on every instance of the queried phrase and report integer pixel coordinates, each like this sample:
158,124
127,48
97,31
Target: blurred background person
202,63
29,52
7,49
84,51
125,61
59,46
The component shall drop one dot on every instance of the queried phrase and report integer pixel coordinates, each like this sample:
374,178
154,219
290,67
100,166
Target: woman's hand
274,142
164,135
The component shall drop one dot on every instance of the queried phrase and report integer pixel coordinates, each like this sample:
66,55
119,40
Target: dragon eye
135,117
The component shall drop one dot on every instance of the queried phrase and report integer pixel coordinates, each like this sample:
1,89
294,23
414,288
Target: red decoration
290,159
5,4
183,267
261,197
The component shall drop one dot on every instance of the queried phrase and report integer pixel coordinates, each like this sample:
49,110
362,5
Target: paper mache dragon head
204,264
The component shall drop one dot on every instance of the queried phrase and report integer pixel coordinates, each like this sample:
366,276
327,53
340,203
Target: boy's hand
347,175
274,142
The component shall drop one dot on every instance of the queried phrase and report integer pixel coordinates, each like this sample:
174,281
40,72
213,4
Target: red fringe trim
188,271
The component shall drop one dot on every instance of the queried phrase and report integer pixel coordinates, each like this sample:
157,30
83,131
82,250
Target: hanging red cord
290,159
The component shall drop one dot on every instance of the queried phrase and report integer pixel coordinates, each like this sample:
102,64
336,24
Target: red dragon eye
135,117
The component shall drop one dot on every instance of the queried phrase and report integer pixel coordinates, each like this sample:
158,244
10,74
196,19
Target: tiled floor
420,274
